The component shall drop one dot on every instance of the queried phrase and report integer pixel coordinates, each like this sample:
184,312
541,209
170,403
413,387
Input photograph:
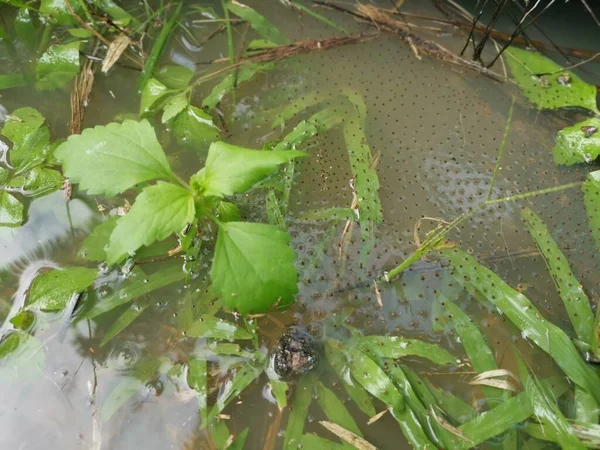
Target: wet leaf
194,128
228,212
579,143
545,408
208,326
30,137
570,290
299,412
58,66
334,409
346,435
591,200
174,77
11,210
313,442
240,440
117,13
58,12
25,28
21,356
280,390
128,388
115,50
395,347
128,316
319,122
110,159
197,380
549,91
329,214
232,170
12,80
258,22
273,211
4,175
231,80
253,268
153,95
586,408
302,7
158,212
138,286
523,314
41,180
174,106
52,290
24,320
93,247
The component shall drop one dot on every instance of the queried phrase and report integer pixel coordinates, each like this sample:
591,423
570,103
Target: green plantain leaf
52,291
159,211
110,159
578,144
58,66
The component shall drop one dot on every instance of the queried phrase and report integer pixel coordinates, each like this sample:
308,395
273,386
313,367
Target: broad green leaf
153,94
258,22
80,33
110,159
24,320
174,77
174,106
553,91
41,180
302,399
194,128
570,290
546,410
227,212
139,286
128,316
231,80
253,268
128,388
11,210
21,356
93,247
395,347
58,11
586,408
197,380
591,200
24,28
208,326
159,211
12,80
4,175
52,290
578,144
117,13
525,316
30,137
334,409
232,170
57,66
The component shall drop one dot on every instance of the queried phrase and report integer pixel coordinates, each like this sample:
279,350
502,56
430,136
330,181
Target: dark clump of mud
295,352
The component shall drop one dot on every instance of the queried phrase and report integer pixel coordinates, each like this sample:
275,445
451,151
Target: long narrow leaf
300,406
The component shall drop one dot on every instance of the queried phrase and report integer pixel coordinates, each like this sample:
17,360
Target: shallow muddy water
434,129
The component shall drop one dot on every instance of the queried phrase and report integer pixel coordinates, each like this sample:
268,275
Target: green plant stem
229,30
45,40
181,181
511,198
501,151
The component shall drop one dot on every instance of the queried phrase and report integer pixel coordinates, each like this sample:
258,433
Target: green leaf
93,247
240,440
174,77
591,200
52,290
578,143
273,212
134,311
12,80
335,214
11,210
280,390
58,11
525,316
197,380
21,356
228,212
174,106
117,13
138,286
334,409
553,91
30,137
300,6
253,267
80,33
24,320
395,347
299,412
232,170
41,180
231,80
570,290
159,211
208,326
4,175
128,388
153,93
258,22
314,442
194,128
24,28
110,159
57,66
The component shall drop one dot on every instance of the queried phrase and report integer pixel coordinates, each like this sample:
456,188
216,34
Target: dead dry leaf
115,50
348,436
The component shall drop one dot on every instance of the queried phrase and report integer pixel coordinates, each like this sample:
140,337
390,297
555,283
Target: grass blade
570,290
258,23
334,409
355,441
305,9
209,326
134,311
300,406
525,317
197,378
395,347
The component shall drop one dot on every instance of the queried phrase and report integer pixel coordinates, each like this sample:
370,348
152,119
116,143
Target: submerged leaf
30,137
232,170
334,409
194,128
93,248
57,66
578,144
153,93
556,88
591,200
128,388
58,11
52,291
134,311
174,77
159,211
11,210
208,326
21,355
197,380
299,411
174,106
110,159
395,347
253,268
258,22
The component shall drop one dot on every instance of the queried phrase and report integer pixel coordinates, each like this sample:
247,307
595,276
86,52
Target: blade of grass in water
571,292
588,433
197,379
273,210
159,46
522,313
258,22
299,412
335,410
395,347
134,311
545,408
332,214
302,7
229,30
313,442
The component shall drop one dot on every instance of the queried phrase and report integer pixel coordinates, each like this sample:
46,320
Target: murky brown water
437,128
